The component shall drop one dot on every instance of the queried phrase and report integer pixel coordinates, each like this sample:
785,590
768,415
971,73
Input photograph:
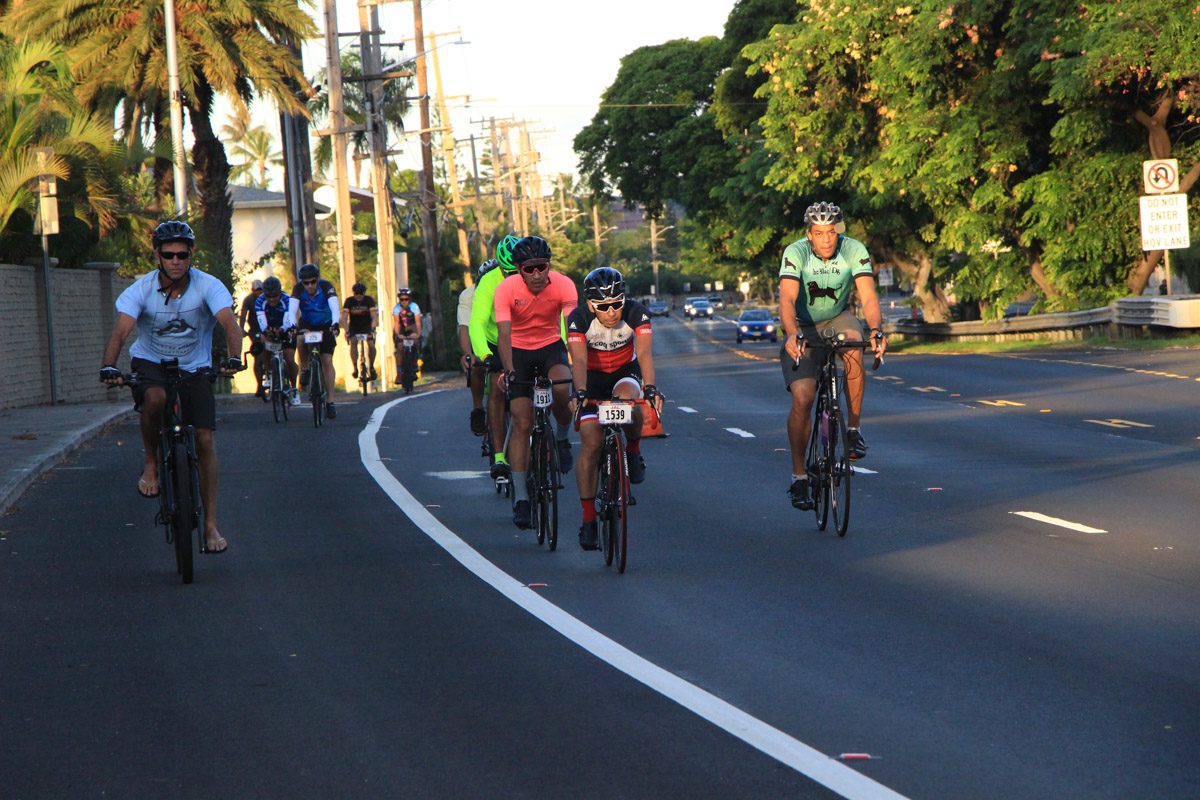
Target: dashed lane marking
1119,423
1062,523
1001,403
686,409
785,749
741,433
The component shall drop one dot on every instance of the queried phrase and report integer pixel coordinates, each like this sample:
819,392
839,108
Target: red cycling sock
589,508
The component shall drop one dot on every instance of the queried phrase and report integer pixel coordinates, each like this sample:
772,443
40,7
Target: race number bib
314,337
541,397
614,413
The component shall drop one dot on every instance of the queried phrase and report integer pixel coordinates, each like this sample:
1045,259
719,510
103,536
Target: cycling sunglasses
311,282
175,255
609,305
534,266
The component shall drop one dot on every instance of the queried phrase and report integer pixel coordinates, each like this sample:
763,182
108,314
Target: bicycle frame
612,490
316,377
543,460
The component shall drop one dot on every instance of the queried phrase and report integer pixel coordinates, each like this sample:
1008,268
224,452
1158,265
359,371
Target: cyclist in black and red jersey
360,317
610,343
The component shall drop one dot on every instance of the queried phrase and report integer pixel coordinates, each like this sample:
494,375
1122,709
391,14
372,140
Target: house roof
247,197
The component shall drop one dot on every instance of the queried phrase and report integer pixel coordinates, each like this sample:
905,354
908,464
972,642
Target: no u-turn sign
1161,176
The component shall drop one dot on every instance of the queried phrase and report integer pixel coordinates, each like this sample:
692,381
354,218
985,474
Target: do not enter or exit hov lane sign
1161,176
1164,222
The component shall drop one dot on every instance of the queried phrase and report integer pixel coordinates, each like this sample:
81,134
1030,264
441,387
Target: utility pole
176,101
428,197
385,268
478,205
341,178
464,251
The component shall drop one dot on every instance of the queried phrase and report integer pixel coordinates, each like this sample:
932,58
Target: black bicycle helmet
529,249
358,288
173,231
309,271
272,287
603,283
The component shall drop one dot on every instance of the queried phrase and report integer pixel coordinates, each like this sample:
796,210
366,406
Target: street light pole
654,234
428,195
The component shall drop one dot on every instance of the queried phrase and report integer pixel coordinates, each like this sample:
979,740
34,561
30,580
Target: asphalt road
346,648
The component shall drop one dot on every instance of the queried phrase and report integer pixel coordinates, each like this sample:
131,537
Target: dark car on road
658,308
756,323
698,307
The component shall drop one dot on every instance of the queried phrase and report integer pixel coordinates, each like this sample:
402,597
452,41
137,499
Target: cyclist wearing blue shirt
314,307
406,324
275,321
175,309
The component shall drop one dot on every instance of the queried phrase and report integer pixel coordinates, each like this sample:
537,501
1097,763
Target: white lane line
863,470
1062,523
459,474
741,433
686,410
770,740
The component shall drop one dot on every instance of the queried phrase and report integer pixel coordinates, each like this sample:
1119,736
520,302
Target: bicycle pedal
632,499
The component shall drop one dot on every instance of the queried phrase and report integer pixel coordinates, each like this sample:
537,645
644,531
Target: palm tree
38,109
235,48
254,147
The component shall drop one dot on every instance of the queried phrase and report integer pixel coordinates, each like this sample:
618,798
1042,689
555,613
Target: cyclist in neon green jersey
484,336
815,280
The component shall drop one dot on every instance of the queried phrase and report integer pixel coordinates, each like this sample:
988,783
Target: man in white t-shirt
175,309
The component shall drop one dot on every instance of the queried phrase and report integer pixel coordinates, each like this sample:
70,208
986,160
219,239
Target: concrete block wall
83,318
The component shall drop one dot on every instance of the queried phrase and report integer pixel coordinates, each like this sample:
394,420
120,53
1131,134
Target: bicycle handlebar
832,340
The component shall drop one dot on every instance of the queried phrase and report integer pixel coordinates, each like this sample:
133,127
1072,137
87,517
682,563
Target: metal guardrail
1174,312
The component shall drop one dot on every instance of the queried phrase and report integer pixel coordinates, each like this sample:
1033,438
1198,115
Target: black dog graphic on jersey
815,291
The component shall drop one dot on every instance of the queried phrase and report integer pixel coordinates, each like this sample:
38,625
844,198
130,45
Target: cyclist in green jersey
484,337
816,278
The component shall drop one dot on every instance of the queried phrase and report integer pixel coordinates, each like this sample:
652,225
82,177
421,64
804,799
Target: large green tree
235,48
641,143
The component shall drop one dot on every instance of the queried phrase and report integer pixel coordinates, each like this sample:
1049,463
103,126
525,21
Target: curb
11,494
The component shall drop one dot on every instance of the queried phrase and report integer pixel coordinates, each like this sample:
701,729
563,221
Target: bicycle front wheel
537,468
816,463
839,477
183,514
604,505
550,491
316,392
620,505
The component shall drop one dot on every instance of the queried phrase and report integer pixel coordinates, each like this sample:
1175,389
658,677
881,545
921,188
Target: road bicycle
827,462
179,505
406,348
275,380
316,378
613,497
364,367
543,461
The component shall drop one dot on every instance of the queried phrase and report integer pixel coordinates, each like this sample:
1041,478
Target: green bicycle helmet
504,253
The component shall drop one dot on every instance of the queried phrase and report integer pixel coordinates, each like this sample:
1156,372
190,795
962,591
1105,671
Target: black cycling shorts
814,354
527,363
328,344
600,385
197,406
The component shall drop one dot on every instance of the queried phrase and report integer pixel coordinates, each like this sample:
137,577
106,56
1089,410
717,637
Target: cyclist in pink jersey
530,307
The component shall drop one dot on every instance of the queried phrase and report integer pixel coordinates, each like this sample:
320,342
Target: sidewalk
34,440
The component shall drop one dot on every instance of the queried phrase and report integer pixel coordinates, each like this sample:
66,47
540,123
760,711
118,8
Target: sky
545,61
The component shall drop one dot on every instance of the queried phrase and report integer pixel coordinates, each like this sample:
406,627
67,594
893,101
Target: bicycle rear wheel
183,516
620,505
839,475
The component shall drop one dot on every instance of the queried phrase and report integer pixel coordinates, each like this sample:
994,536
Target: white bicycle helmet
824,214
